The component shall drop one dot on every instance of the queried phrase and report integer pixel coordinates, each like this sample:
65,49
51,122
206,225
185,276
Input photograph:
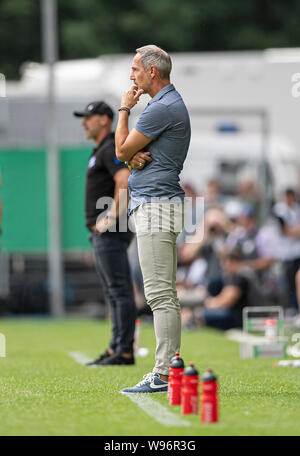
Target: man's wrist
94,229
124,108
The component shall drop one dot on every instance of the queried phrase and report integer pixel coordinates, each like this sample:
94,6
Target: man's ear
104,120
153,71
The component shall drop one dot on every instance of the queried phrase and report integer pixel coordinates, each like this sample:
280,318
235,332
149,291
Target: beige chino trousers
157,228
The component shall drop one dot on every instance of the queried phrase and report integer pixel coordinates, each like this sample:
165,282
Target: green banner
24,199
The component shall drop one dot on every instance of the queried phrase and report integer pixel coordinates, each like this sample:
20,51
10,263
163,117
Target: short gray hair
153,55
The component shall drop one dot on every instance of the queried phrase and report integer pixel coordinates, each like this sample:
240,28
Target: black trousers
110,250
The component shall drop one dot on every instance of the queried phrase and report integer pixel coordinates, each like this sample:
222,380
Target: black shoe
104,355
117,360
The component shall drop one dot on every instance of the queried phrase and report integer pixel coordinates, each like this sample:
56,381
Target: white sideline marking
239,336
81,358
156,410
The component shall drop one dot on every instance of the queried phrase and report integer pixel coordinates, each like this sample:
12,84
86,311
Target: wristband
123,108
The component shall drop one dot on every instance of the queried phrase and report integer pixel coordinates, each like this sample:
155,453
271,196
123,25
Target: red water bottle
175,380
209,412
189,391
171,374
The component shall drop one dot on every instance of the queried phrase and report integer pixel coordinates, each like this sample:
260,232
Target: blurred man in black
107,179
224,306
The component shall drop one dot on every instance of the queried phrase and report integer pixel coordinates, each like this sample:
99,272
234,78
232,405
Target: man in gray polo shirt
156,198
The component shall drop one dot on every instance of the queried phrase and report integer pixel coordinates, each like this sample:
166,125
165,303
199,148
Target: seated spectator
212,231
200,256
258,246
228,297
287,213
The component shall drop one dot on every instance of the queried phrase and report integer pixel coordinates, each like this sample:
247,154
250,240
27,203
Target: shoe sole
109,365
145,392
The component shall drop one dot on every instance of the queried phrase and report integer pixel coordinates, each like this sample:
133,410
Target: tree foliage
88,28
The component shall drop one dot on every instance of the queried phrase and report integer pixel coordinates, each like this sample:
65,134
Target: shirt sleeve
236,281
154,120
111,162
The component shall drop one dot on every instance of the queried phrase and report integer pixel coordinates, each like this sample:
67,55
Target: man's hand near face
131,97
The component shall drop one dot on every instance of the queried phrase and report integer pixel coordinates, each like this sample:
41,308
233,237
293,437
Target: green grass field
43,391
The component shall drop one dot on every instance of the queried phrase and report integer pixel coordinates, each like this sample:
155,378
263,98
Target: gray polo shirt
166,121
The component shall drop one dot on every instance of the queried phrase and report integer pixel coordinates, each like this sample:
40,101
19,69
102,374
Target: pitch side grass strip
43,391
156,410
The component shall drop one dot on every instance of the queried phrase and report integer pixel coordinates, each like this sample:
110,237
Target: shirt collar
161,93
106,138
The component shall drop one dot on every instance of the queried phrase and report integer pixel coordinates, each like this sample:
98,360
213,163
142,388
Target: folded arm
128,144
